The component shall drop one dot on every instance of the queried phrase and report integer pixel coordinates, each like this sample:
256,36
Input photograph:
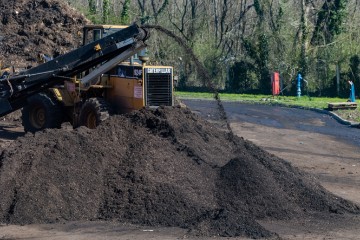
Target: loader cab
95,32
132,84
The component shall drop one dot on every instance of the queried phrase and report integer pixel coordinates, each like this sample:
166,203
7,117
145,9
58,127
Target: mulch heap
31,27
163,167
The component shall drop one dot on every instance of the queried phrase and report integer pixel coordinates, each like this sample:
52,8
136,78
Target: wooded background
241,42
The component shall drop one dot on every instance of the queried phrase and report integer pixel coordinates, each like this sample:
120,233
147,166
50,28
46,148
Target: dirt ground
335,167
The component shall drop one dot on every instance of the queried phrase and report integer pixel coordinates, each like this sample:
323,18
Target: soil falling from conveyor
201,70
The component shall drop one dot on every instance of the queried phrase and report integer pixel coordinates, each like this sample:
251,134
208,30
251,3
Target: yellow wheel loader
108,74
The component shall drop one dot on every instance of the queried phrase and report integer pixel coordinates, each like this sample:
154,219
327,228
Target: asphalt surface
278,117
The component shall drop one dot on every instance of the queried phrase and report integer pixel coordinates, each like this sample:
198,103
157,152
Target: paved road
279,118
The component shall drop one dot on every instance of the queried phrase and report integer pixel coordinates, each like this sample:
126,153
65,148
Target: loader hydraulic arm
100,56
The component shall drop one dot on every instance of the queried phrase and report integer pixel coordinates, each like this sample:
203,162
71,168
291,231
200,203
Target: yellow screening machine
107,74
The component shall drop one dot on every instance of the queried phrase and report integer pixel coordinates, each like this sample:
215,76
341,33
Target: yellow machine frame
124,91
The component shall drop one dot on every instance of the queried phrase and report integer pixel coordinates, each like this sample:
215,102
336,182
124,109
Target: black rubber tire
42,111
93,112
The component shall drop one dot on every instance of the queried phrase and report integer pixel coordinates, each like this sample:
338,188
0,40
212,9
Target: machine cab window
95,32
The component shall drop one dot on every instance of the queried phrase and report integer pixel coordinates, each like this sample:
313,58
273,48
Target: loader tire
93,112
42,111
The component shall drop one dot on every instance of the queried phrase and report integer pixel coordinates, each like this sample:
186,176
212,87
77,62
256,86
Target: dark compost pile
164,167
32,27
